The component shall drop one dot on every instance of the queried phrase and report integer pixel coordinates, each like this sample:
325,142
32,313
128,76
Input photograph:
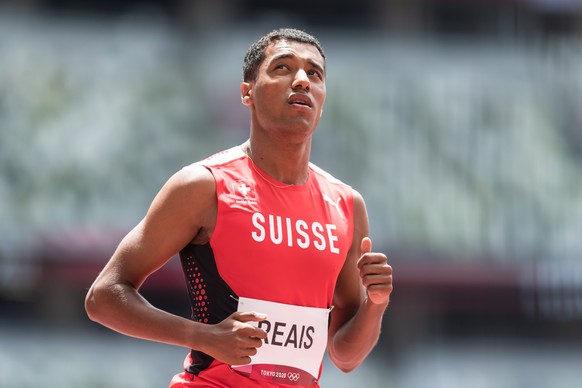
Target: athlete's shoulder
193,176
223,157
321,173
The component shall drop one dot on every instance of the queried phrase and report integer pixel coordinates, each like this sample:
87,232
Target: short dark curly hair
256,53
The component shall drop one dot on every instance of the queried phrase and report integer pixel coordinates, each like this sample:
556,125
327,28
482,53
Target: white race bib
296,341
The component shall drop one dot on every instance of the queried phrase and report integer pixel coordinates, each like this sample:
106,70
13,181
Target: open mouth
300,100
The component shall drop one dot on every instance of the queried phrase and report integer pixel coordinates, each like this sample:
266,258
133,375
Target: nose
301,81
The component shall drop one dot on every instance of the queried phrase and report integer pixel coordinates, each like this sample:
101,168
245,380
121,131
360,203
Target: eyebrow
289,55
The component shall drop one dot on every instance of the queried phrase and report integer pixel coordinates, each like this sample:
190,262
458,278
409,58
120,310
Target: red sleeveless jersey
273,242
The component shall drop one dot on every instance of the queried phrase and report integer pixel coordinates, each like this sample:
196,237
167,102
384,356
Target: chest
286,246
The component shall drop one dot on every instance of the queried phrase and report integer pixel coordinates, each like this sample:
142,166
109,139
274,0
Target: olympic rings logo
293,376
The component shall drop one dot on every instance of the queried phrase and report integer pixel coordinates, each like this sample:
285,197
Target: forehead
293,49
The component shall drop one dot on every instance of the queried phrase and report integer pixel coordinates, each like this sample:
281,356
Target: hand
233,341
376,274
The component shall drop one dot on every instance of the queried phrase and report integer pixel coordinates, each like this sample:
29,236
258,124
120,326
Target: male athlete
274,250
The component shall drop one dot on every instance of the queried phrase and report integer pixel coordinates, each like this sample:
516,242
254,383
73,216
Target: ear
246,93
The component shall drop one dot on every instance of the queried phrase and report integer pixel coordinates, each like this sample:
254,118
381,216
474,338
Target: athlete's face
289,92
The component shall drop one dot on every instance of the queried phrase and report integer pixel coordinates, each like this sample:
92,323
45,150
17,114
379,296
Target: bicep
349,291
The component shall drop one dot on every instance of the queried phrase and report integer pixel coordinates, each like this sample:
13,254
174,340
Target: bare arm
361,296
183,211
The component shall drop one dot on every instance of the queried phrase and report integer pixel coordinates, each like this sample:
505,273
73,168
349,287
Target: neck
288,164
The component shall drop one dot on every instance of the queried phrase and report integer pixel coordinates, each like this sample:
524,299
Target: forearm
121,308
352,342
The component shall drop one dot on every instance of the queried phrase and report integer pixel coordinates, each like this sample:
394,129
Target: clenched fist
376,273
235,340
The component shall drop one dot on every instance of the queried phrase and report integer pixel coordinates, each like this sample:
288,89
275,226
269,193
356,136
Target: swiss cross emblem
244,190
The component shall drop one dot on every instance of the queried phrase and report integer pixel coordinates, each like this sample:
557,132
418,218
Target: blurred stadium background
460,121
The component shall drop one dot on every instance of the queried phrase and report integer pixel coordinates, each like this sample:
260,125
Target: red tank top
274,242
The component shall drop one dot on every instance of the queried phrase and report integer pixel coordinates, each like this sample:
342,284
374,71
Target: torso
269,241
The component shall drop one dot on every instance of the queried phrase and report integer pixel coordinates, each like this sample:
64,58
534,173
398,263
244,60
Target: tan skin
285,102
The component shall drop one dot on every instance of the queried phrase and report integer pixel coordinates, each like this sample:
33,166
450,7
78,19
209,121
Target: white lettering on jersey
332,237
258,220
302,227
284,229
276,235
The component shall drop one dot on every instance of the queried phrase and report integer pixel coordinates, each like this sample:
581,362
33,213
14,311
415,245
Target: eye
315,73
281,66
